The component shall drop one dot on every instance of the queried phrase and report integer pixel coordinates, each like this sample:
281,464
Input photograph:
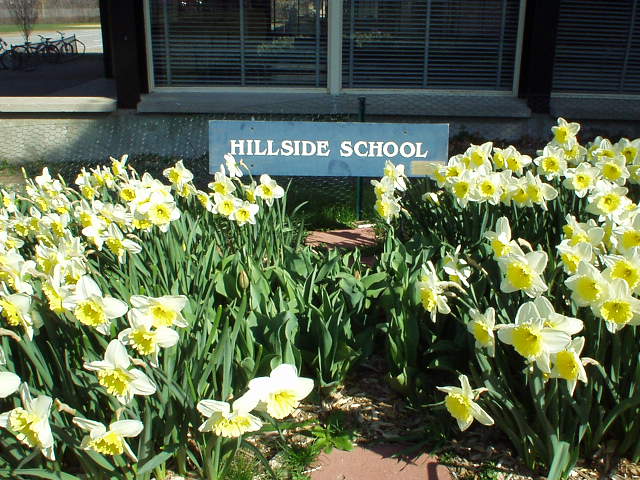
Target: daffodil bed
528,273
151,327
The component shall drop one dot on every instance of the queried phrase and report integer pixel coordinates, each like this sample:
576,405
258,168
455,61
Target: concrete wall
92,138
58,15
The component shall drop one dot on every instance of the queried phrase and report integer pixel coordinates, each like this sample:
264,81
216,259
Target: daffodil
587,285
463,187
572,255
91,308
30,423
557,321
478,156
116,242
387,207
481,327
567,364
501,242
118,167
163,311
222,184
245,213
629,149
524,273
281,392
431,290
531,338
178,175
614,169
229,421
607,200
564,133
461,404
15,309
395,173
625,267
551,163
225,205
146,339
617,307
232,166
117,378
109,441
456,268
268,189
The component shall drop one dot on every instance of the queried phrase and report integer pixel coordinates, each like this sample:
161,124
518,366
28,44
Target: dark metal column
124,15
536,76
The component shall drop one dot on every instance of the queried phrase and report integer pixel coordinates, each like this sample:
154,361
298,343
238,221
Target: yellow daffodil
91,308
281,392
481,327
531,338
567,364
523,273
112,441
461,404
163,311
229,421
144,338
117,378
617,307
30,423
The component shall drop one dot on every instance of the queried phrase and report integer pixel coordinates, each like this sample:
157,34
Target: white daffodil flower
114,374
460,403
245,213
268,189
178,175
625,267
225,205
281,392
572,255
490,187
229,421
387,207
531,338
552,319
16,310
111,441
431,290
118,167
581,179
607,200
564,133
629,149
164,311
538,192
524,273
232,166
463,187
222,184
144,338
567,364
614,169
481,327
501,242
617,307
578,232
478,156
395,173
551,163
9,383
457,268
587,285
30,423
116,242
91,308
16,272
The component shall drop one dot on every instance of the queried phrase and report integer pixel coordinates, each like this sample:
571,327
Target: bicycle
70,45
48,49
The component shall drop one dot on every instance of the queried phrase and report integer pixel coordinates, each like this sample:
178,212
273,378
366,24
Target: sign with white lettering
327,148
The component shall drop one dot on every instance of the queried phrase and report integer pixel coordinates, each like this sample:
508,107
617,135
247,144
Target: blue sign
327,148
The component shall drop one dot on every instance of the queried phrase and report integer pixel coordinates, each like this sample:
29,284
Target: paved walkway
91,37
377,463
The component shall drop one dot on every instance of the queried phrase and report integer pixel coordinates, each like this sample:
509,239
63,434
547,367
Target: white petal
480,415
166,337
127,428
116,354
41,406
86,287
209,407
9,383
114,308
284,372
90,425
141,384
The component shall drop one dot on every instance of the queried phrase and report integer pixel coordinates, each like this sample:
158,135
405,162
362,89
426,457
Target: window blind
598,47
239,42
443,44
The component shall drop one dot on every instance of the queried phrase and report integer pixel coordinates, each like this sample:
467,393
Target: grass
63,27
